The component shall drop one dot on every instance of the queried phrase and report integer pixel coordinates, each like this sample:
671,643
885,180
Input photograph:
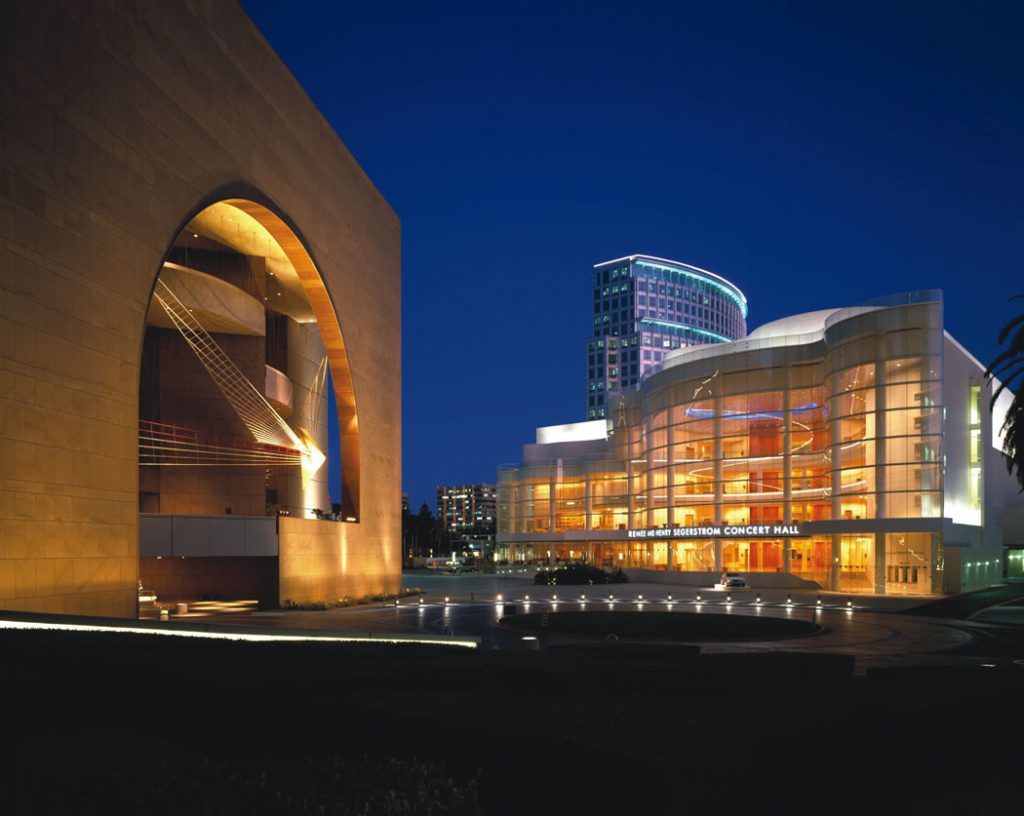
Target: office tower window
643,291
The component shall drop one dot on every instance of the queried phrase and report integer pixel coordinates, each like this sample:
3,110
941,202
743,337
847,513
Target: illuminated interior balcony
280,392
220,306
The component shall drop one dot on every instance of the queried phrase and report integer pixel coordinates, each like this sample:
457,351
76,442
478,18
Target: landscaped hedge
579,574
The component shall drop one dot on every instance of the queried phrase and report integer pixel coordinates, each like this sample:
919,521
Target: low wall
758,580
177,535
971,568
320,561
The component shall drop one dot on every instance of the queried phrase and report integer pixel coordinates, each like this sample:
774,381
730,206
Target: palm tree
1008,367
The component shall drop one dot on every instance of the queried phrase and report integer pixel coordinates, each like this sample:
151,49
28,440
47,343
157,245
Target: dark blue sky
813,153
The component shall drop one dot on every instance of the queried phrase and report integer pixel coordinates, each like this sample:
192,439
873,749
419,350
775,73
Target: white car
733,579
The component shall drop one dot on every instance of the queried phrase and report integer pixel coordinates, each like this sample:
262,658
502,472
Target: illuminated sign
721,531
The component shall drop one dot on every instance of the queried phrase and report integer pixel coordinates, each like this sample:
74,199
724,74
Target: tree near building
419,532
1008,368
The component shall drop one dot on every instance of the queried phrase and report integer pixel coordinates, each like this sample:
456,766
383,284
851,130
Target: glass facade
644,308
840,433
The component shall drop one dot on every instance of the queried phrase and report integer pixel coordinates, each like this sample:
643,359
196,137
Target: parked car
731,580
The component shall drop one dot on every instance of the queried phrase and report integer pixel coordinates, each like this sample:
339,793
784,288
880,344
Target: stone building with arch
176,216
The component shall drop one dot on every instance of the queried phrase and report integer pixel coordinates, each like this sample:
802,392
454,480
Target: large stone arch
250,200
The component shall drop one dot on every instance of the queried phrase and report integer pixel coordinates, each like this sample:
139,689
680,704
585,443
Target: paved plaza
870,628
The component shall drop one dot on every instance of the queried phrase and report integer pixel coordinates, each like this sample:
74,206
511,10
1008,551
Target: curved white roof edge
680,264
795,330
803,323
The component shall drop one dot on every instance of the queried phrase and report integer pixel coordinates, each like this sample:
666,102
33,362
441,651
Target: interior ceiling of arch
230,226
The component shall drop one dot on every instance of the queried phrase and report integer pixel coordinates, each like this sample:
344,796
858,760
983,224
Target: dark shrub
579,574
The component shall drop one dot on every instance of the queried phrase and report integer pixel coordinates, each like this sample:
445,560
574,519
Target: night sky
815,155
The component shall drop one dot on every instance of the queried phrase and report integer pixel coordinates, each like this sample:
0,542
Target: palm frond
1006,381
1008,367
1004,332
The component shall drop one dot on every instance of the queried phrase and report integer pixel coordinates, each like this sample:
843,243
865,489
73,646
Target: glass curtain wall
693,470
853,434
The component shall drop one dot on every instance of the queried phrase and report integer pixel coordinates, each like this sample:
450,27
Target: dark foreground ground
137,724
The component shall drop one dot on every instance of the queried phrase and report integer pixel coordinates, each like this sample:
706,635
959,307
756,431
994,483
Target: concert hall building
852,449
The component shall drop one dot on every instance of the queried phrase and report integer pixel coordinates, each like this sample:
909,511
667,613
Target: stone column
880,434
717,470
631,519
837,504
836,448
588,503
670,490
879,563
787,475
787,454
649,467
837,549
552,487
717,462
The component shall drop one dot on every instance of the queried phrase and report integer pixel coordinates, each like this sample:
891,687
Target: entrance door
857,563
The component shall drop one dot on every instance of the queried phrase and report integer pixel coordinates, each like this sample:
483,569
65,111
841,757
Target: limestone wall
121,119
324,561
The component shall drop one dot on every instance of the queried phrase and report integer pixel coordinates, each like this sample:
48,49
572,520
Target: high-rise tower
643,308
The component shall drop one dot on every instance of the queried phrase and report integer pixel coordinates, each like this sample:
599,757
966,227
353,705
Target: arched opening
243,361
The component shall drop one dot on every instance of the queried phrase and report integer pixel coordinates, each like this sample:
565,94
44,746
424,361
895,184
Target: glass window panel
811,558
802,511
856,454
852,429
736,513
913,395
912,369
913,421
767,403
857,563
857,480
909,563
912,449
657,439
657,477
806,375
688,515
700,429
917,504
766,513
752,556
857,507
693,411
861,376
696,555
612,518
856,402
735,447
